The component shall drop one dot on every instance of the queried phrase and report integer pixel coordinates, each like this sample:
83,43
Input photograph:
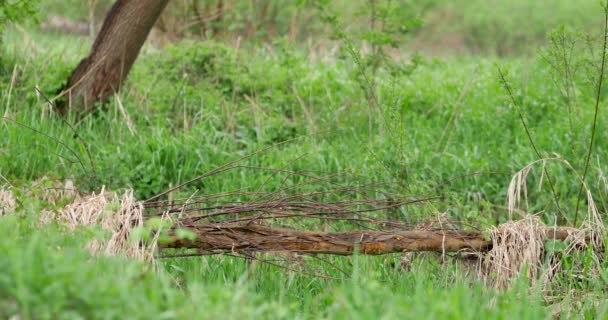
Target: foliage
491,27
444,128
188,111
450,27
16,11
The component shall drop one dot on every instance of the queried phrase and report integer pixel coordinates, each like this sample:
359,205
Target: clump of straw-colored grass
117,215
54,191
516,246
520,245
7,201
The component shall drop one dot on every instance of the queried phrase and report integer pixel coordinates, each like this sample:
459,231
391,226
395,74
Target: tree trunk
114,51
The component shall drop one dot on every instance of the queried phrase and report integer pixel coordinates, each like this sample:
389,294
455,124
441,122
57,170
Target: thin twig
507,87
76,135
597,104
228,166
63,144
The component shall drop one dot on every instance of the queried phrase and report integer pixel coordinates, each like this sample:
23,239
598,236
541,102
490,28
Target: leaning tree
114,51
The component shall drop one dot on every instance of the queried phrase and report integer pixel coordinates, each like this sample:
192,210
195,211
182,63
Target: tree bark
112,55
216,238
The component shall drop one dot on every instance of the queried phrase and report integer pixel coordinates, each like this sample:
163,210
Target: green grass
46,275
471,27
446,129
192,111
503,28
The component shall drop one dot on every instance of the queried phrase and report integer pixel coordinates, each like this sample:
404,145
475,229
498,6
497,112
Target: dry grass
521,248
7,201
116,214
520,245
516,246
54,191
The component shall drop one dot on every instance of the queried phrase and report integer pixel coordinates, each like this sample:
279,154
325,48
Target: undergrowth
446,128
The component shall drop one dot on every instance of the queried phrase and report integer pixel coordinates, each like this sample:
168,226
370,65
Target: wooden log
263,238
214,238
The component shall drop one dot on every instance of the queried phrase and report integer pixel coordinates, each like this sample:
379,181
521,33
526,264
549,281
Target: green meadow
449,111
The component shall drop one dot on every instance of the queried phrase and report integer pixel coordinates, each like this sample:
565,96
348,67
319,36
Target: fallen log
250,235
217,238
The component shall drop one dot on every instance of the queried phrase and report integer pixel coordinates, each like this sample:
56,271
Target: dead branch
221,237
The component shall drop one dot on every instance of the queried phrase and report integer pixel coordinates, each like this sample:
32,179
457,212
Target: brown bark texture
217,238
112,55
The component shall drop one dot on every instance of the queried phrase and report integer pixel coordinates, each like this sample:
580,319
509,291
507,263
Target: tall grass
450,131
